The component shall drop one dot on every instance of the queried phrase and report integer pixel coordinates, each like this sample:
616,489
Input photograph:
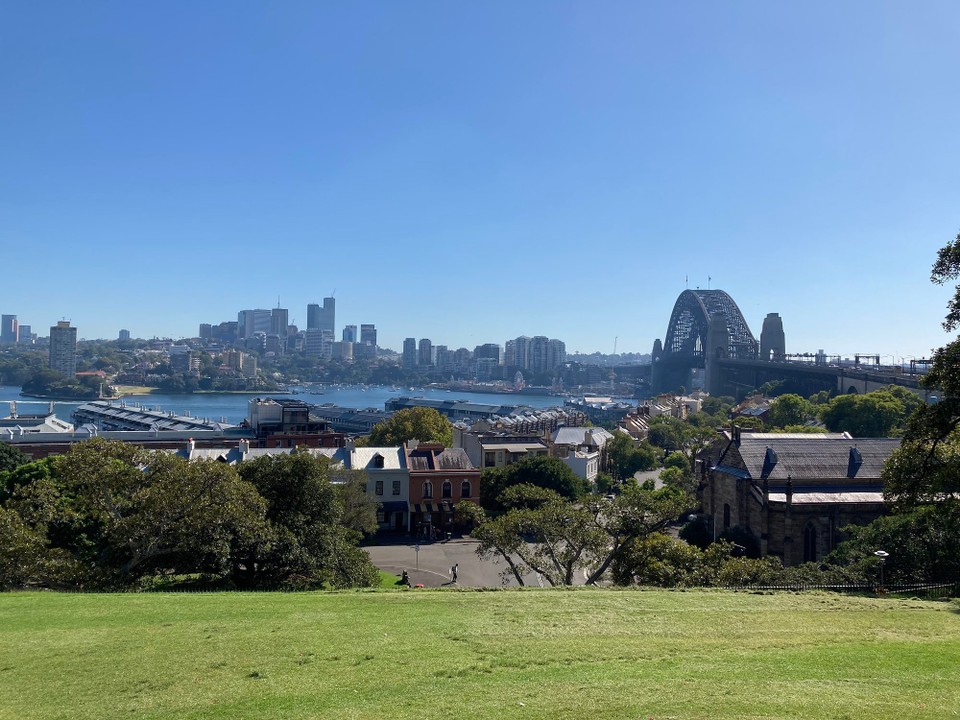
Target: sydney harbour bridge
709,343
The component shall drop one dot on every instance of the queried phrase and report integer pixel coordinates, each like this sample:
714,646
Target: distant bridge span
708,332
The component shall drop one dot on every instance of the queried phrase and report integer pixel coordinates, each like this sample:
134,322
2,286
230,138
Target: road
437,558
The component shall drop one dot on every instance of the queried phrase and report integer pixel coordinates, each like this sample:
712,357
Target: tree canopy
107,514
544,533
419,423
543,472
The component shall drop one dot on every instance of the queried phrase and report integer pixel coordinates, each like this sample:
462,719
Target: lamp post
882,555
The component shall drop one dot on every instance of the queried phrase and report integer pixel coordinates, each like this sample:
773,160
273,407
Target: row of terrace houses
417,486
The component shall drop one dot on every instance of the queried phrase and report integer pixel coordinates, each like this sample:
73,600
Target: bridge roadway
737,376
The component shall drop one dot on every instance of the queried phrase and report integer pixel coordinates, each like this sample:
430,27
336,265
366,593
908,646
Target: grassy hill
444,654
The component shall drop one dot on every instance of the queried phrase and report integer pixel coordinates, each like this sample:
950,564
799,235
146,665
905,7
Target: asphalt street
435,561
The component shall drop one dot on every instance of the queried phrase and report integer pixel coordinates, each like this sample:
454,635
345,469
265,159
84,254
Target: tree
874,414
11,457
922,477
790,409
543,472
543,533
668,433
310,546
419,423
624,459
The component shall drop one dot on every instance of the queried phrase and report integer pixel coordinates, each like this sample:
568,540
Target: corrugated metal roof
363,458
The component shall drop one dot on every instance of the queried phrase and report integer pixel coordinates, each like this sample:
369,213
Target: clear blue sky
470,172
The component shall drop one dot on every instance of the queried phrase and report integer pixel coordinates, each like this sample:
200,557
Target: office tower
8,329
206,332
63,348
250,322
409,353
313,316
368,334
279,320
424,356
328,320
349,333
25,335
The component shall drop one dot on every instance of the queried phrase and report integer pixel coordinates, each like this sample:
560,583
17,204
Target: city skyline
475,174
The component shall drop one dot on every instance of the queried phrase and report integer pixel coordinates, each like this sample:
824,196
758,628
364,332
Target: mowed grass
446,654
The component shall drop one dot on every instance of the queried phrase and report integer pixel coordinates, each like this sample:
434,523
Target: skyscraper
8,329
425,355
250,322
279,318
63,348
409,353
313,316
350,333
125,334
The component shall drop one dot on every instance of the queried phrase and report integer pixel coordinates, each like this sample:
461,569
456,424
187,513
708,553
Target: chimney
191,446
413,444
244,447
735,434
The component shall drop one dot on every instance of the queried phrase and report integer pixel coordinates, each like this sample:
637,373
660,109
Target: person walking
453,572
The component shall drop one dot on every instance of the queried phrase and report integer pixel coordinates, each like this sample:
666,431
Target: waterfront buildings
63,348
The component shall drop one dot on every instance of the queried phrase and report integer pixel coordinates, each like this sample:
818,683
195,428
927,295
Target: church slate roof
774,458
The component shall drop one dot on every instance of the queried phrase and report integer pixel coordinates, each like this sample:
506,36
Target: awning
441,507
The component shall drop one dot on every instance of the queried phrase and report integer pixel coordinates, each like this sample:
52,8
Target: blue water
233,407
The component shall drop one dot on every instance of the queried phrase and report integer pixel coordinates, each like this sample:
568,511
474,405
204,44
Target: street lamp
882,555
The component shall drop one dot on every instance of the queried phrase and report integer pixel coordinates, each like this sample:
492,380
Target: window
396,487
379,487
810,543
489,459
447,489
465,489
377,461
428,489
726,516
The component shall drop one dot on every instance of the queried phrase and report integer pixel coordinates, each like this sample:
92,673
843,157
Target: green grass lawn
447,654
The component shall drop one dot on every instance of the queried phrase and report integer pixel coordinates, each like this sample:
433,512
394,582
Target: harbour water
232,407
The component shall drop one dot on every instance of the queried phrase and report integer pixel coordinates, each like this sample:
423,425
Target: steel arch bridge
688,343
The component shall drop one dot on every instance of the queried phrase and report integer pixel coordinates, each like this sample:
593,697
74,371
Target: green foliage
874,414
790,409
419,423
107,514
677,460
805,429
603,483
541,532
668,433
542,471
11,458
924,545
661,561
307,543
717,406
624,458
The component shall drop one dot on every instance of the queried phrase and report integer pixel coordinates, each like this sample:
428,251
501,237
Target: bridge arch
690,323
706,326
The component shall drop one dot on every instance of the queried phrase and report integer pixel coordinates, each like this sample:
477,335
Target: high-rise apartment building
409,353
63,348
25,335
425,353
125,334
8,329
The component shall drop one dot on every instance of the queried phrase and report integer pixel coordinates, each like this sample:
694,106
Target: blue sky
473,172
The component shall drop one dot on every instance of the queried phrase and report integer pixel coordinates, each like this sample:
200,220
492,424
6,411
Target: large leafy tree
309,544
545,534
874,414
11,457
922,477
790,409
419,423
541,471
